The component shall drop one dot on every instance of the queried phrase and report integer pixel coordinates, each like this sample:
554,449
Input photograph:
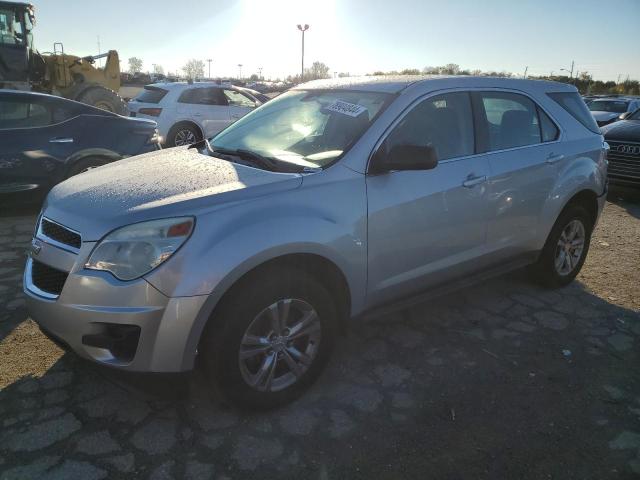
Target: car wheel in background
86,164
183,134
566,248
270,339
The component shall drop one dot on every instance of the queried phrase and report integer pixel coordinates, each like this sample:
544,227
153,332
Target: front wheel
271,339
566,248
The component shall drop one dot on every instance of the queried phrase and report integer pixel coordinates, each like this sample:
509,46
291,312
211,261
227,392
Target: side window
237,99
512,120
21,114
575,106
10,29
547,127
202,96
444,121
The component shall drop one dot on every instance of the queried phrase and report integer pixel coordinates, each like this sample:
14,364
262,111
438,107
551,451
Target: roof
176,85
398,83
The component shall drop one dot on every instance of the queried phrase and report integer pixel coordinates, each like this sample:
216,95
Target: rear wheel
104,99
271,339
566,248
183,134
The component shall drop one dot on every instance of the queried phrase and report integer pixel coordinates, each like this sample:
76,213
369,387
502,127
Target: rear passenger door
207,107
427,227
520,141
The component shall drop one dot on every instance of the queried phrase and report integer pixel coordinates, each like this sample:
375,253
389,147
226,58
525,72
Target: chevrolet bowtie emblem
36,246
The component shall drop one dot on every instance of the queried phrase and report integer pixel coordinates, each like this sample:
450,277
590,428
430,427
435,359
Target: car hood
604,116
622,131
173,182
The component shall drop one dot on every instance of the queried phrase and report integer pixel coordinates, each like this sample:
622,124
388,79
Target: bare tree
135,65
158,70
194,69
317,70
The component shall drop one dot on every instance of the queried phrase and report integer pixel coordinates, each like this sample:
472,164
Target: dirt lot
501,381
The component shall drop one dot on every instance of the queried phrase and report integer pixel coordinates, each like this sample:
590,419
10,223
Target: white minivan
187,112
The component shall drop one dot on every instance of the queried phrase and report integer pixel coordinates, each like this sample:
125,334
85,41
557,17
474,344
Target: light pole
259,73
240,71
209,60
302,28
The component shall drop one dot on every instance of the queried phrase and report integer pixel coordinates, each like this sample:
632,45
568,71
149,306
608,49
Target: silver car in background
253,250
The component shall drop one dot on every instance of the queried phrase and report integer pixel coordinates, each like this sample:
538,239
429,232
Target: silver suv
252,251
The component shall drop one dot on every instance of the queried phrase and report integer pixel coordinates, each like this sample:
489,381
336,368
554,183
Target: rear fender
579,174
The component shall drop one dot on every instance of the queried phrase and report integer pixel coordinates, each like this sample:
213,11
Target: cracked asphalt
502,380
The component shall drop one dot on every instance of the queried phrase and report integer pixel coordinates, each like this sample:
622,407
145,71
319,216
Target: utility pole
240,71
259,73
302,28
99,52
525,72
619,75
572,64
209,60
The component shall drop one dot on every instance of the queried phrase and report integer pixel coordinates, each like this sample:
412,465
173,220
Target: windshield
314,127
613,106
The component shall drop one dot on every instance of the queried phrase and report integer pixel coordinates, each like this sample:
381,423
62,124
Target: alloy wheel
185,137
570,247
280,345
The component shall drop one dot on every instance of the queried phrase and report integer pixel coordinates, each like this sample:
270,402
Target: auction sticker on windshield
351,109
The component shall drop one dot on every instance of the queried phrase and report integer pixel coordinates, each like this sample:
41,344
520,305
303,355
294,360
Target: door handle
61,140
197,114
472,181
553,157
236,116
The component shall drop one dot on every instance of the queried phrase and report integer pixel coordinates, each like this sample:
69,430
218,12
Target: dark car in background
608,110
623,138
46,139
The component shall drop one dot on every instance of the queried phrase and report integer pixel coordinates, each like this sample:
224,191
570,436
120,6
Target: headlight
133,251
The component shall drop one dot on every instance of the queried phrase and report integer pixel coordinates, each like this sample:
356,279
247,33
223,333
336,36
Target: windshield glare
608,106
311,128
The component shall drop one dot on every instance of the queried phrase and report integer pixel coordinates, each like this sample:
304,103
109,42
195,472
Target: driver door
428,226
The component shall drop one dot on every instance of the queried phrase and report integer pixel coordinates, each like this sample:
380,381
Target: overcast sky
356,36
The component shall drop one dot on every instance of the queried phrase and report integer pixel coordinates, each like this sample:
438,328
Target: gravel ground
502,380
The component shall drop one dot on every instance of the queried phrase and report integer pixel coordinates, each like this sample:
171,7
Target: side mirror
623,116
404,157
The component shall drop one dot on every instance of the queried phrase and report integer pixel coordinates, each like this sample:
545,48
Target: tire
104,99
85,164
183,134
244,326
546,269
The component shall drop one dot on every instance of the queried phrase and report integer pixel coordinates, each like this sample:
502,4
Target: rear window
151,95
574,105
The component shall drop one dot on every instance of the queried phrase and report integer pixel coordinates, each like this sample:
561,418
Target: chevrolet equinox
252,250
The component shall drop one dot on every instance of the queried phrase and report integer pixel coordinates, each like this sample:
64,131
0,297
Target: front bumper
95,305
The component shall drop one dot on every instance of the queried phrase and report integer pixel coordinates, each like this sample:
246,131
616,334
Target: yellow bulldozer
22,67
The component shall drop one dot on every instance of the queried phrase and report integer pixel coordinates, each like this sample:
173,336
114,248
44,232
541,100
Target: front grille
624,161
60,234
46,278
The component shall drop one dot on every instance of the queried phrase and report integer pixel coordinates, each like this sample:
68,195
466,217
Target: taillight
155,137
153,112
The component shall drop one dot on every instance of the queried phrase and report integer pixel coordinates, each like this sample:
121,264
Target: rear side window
548,129
512,120
575,106
151,95
444,121
202,96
